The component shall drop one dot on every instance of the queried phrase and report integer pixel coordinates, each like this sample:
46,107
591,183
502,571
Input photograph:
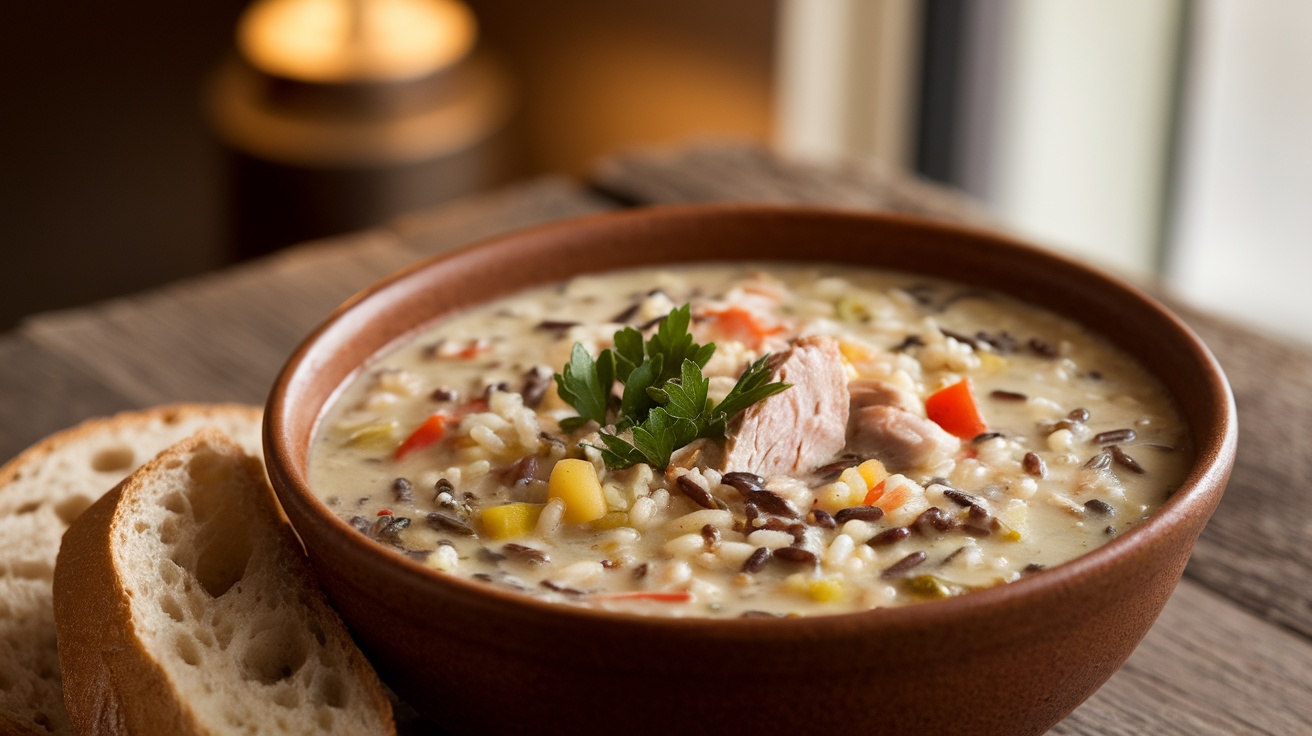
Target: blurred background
143,141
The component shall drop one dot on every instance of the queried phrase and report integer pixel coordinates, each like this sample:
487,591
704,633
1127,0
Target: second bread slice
184,605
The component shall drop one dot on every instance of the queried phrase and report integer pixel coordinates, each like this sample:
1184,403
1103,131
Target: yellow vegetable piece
510,520
613,520
827,590
377,436
575,482
872,472
991,362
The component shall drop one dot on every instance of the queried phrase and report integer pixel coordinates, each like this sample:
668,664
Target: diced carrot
736,323
473,350
893,500
954,409
682,596
873,495
428,433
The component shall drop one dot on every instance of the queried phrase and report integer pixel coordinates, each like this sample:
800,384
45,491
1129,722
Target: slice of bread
41,492
185,605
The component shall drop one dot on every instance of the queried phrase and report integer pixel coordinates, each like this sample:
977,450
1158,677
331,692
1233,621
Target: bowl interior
404,303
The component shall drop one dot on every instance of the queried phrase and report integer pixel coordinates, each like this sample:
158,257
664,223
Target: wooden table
1232,653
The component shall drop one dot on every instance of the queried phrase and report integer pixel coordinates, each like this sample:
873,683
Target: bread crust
134,428
113,682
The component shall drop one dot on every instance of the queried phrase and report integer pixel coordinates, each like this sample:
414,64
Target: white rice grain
550,518
769,538
839,551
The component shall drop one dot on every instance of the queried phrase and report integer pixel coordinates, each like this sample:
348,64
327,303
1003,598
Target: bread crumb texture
223,599
42,491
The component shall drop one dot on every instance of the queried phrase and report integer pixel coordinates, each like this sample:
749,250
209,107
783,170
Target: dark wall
108,177
110,181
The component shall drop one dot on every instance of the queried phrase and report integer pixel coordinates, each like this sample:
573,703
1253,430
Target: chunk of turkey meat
874,392
800,428
898,438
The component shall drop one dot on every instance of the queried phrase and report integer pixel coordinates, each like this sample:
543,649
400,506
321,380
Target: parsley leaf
665,403
585,385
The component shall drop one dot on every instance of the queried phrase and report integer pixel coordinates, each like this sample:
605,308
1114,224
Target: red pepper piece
874,493
682,596
428,433
954,409
736,323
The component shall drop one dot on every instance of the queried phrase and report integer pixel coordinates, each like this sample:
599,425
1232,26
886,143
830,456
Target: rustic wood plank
1257,549
747,172
224,336
1206,667
41,393
220,337
542,200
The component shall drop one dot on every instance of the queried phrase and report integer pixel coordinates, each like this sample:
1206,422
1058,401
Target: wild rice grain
1123,459
1001,395
1101,461
965,500
403,491
772,503
536,382
1034,465
757,561
903,565
444,523
862,513
1100,507
1115,436
889,536
1079,414
442,393
524,553
444,486
562,589
744,482
823,519
933,519
523,471
796,555
555,325
695,492
832,470
1043,349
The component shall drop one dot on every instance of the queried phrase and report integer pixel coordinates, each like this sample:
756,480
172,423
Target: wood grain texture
220,337
1257,550
224,336
746,172
1206,667
473,219
41,393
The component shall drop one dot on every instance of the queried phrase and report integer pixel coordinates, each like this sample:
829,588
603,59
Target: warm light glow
355,40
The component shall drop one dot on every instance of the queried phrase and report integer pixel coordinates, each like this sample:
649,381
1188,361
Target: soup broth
931,440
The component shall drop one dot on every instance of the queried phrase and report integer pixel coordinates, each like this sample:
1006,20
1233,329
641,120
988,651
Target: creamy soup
895,439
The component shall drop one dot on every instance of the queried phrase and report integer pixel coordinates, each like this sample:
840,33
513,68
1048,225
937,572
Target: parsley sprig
665,403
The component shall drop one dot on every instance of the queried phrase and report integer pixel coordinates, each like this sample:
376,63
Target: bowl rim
1199,492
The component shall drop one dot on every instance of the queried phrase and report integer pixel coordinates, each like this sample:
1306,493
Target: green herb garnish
664,405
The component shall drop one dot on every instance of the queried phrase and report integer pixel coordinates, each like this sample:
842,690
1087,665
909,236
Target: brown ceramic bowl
1013,659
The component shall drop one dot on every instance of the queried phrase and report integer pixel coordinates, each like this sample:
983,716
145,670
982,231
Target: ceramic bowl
1013,659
